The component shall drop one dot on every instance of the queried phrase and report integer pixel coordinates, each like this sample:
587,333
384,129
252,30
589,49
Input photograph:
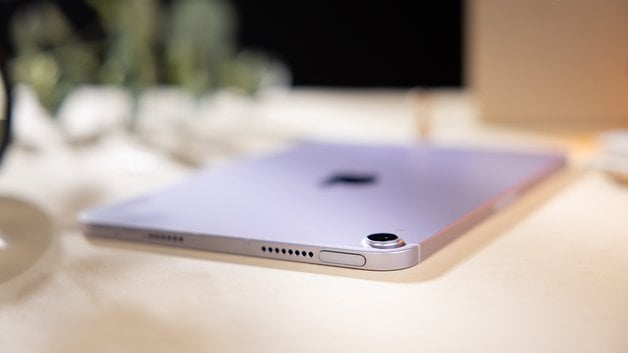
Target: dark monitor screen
359,43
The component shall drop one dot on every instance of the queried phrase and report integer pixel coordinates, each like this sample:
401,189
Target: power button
342,258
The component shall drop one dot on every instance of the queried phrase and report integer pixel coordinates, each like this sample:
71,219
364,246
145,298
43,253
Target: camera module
384,241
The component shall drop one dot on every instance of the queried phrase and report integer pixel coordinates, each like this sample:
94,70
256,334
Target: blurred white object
616,143
92,111
33,126
614,155
200,130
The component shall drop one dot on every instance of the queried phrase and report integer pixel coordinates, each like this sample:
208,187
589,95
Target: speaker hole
303,253
283,251
296,252
277,250
263,249
290,252
311,254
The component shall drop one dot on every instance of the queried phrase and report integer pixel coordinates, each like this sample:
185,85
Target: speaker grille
164,237
287,252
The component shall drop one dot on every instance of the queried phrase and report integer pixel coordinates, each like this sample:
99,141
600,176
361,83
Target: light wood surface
547,274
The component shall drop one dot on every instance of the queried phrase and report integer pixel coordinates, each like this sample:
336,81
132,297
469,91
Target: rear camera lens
384,241
380,237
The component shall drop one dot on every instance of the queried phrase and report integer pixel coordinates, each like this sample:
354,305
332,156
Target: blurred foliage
131,35
189,43
50,57
199,42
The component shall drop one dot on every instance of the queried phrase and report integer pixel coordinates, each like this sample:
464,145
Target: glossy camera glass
384,241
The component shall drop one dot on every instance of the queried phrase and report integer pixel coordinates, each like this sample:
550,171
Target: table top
546,274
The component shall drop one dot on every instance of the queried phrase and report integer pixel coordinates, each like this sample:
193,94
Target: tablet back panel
328,197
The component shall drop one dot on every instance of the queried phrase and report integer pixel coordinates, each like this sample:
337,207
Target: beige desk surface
548,274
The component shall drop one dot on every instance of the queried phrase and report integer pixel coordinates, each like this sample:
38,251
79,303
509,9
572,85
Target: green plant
189,43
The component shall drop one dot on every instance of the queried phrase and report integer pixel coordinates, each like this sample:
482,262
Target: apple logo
350,179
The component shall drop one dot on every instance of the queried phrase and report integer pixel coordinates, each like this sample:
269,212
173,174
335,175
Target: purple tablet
359,206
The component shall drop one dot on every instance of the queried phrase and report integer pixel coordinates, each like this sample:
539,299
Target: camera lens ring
384,241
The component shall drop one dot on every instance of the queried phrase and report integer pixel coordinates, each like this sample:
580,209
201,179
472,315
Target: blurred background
204,45
525,61
542,64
